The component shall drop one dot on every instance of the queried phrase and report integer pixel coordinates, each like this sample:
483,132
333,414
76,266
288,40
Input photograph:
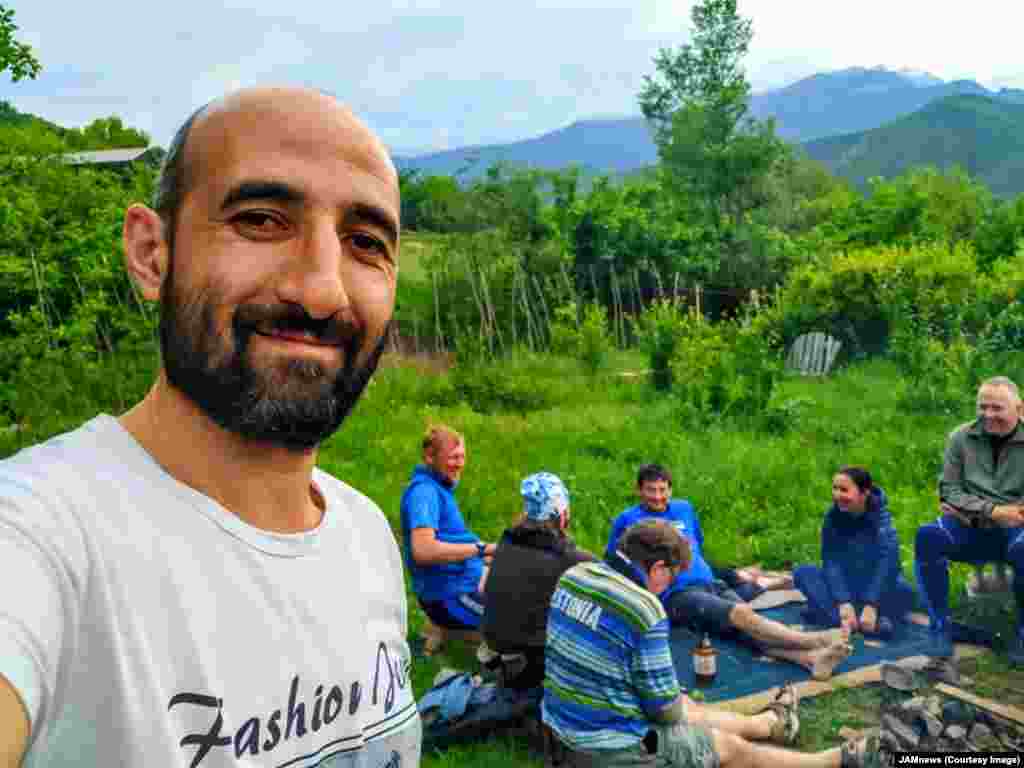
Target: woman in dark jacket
859,585
528,562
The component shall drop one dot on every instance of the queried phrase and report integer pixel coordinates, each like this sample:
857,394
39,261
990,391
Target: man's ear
146,254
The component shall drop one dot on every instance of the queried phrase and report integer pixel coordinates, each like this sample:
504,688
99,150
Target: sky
428,75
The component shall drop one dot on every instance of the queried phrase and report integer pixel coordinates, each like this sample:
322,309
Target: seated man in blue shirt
445,558
698,600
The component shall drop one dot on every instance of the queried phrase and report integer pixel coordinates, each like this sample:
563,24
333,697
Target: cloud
470,71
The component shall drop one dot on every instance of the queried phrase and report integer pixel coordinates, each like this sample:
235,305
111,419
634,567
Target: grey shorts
685,746
675,746
704,608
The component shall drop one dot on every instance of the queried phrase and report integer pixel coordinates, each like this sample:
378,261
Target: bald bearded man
191,589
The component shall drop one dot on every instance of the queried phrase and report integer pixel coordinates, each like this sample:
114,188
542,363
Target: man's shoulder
681,508
421,485
75,454
631,514
339,493
604,585
962,431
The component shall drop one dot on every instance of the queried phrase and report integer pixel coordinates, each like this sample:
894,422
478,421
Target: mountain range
830,113
982,135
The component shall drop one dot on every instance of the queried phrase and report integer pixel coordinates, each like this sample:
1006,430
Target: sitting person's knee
741,614
730,747
930,538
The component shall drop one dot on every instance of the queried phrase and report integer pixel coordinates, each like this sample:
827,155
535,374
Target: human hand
848,617
869,619
748,574
1008,515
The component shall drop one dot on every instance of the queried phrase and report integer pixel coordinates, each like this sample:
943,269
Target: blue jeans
950,539
823,609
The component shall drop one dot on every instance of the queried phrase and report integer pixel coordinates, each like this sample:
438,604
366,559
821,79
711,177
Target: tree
705,73
16,58
105,133
716,156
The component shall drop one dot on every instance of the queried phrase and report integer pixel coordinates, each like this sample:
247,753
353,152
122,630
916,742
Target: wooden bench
813,353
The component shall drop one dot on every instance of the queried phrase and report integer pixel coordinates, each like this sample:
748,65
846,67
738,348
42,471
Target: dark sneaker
1015,649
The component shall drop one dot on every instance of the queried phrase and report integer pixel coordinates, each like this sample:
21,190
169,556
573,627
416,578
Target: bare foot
824,660
774,582
826,637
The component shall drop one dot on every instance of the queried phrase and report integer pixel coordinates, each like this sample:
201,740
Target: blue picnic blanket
741,674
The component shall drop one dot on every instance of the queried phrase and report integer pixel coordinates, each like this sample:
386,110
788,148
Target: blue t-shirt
429,502
608,664
682,516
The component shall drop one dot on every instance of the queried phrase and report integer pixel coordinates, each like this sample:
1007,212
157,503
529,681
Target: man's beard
296,404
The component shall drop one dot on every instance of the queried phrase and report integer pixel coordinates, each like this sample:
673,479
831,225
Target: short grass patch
761,493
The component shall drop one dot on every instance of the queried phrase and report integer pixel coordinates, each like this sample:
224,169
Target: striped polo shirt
607,659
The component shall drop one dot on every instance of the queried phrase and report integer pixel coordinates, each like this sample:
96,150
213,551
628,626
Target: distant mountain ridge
604,145
850,100
827,104
981,134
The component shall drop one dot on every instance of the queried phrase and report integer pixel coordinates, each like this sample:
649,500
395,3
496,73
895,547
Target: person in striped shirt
611,695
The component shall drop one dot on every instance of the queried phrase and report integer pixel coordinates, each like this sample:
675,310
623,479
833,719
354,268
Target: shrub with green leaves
860,296
585,339
1006,331
727,368
660,328
939,364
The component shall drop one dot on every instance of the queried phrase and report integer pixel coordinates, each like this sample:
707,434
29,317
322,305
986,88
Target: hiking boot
1015,648
940,641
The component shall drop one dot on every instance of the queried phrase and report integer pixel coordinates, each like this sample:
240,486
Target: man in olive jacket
982,505
530,558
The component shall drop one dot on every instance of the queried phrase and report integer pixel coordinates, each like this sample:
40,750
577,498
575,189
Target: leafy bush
780,418
587,340
861,295
726,368
660,328
940,373
1006,332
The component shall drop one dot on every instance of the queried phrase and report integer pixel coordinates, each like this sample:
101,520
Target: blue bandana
545,495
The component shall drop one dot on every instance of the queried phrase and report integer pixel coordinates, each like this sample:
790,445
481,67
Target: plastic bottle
705,662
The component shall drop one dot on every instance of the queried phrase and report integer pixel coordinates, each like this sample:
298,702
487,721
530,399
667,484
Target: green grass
761,496
415,248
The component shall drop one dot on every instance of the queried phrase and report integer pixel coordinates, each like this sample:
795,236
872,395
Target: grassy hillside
761,495
984,136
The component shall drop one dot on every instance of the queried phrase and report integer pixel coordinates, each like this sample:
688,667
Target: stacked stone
933,723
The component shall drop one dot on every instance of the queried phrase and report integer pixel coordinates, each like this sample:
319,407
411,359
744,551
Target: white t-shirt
145,625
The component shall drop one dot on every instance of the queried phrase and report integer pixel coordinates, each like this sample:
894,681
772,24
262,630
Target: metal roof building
115,157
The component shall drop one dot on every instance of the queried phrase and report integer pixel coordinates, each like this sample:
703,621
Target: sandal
865,752
787,725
